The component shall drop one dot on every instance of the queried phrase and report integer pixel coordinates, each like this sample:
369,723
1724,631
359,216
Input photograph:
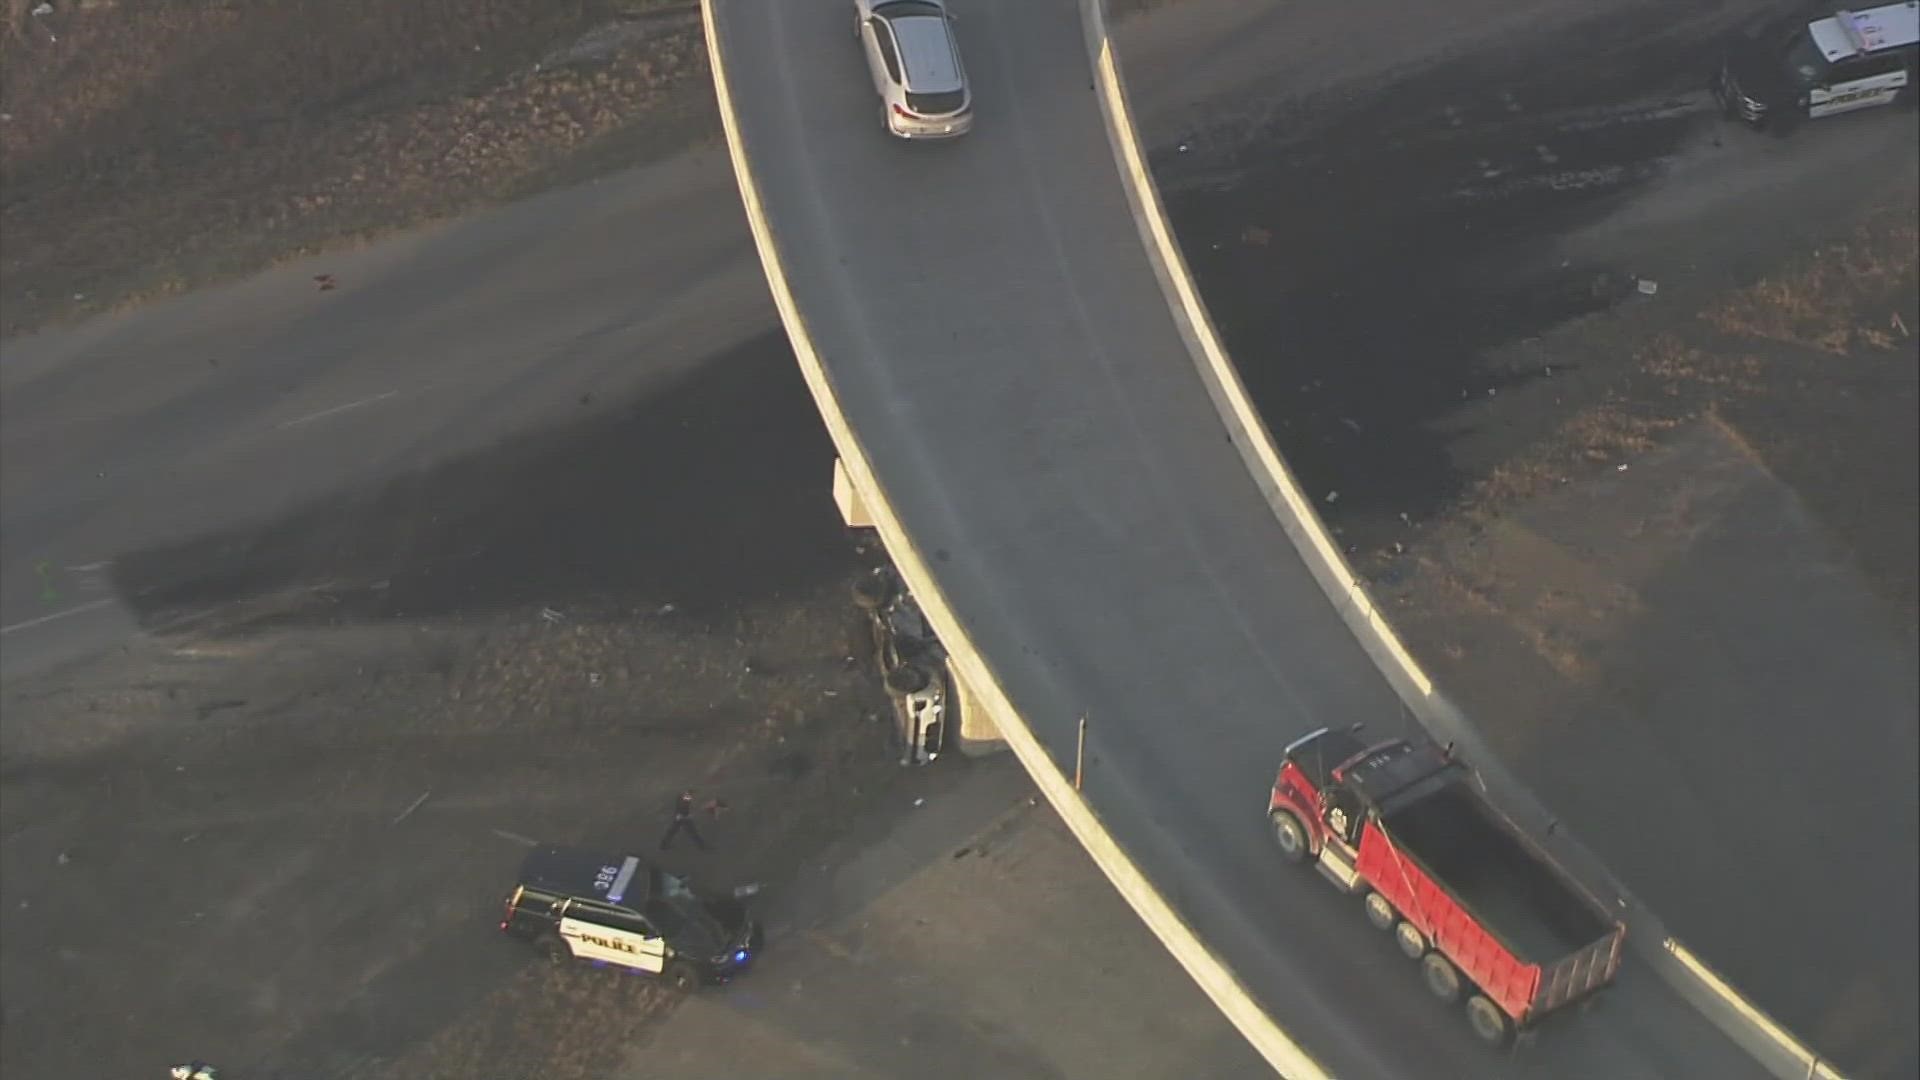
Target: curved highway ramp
1001,370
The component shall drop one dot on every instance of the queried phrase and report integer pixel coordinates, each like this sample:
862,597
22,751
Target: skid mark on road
56,616
336,410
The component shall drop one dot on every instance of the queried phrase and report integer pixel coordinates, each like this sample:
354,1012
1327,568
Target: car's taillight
507,919
901,110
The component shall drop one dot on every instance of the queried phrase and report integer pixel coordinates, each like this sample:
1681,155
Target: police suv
1797,69
577,904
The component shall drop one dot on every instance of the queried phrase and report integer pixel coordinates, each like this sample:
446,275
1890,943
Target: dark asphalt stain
1360,262
707,494
212,707
791,766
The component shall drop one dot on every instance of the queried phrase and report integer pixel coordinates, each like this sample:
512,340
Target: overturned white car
912,663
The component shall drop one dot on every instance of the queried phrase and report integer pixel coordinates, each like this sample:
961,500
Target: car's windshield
900,9
681,917
670,886
1805,66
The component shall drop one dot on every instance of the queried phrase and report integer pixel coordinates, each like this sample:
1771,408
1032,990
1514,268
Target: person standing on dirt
682,822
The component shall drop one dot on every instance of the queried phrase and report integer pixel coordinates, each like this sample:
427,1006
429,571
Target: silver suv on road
916,68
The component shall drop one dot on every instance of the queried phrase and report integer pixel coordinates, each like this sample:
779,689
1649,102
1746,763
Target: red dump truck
1486,915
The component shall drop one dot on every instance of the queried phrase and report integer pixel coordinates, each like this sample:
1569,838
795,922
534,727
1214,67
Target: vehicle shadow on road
708,494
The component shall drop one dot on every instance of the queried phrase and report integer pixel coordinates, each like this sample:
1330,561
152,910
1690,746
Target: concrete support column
976,734
853,508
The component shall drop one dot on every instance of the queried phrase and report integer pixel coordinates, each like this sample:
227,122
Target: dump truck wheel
872,592
1413,943
1443,979
1380,912
907,679
1488,1021
1290,836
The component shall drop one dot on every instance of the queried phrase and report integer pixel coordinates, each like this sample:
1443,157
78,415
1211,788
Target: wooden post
1080,755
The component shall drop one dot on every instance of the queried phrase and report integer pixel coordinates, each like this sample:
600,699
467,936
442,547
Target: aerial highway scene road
420,519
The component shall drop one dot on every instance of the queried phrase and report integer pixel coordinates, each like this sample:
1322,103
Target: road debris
1647,286
552,616
408,812
325,282
1333,497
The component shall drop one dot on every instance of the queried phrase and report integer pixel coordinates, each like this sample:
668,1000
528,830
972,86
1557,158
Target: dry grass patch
154,146
1606,434
1841,298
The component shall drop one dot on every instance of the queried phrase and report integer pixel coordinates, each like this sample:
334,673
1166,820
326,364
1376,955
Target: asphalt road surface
997,338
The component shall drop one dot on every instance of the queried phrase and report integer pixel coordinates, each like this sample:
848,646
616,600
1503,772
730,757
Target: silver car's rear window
936,104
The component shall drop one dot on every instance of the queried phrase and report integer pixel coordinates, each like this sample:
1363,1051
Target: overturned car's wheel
907,679
872,592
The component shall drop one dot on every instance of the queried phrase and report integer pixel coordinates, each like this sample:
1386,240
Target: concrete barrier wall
1783,1055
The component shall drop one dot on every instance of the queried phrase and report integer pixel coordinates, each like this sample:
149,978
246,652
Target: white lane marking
523,841
415,805
75,610
324,413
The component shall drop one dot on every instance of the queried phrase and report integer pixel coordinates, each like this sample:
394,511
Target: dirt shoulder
148,148
1687,613
281,841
